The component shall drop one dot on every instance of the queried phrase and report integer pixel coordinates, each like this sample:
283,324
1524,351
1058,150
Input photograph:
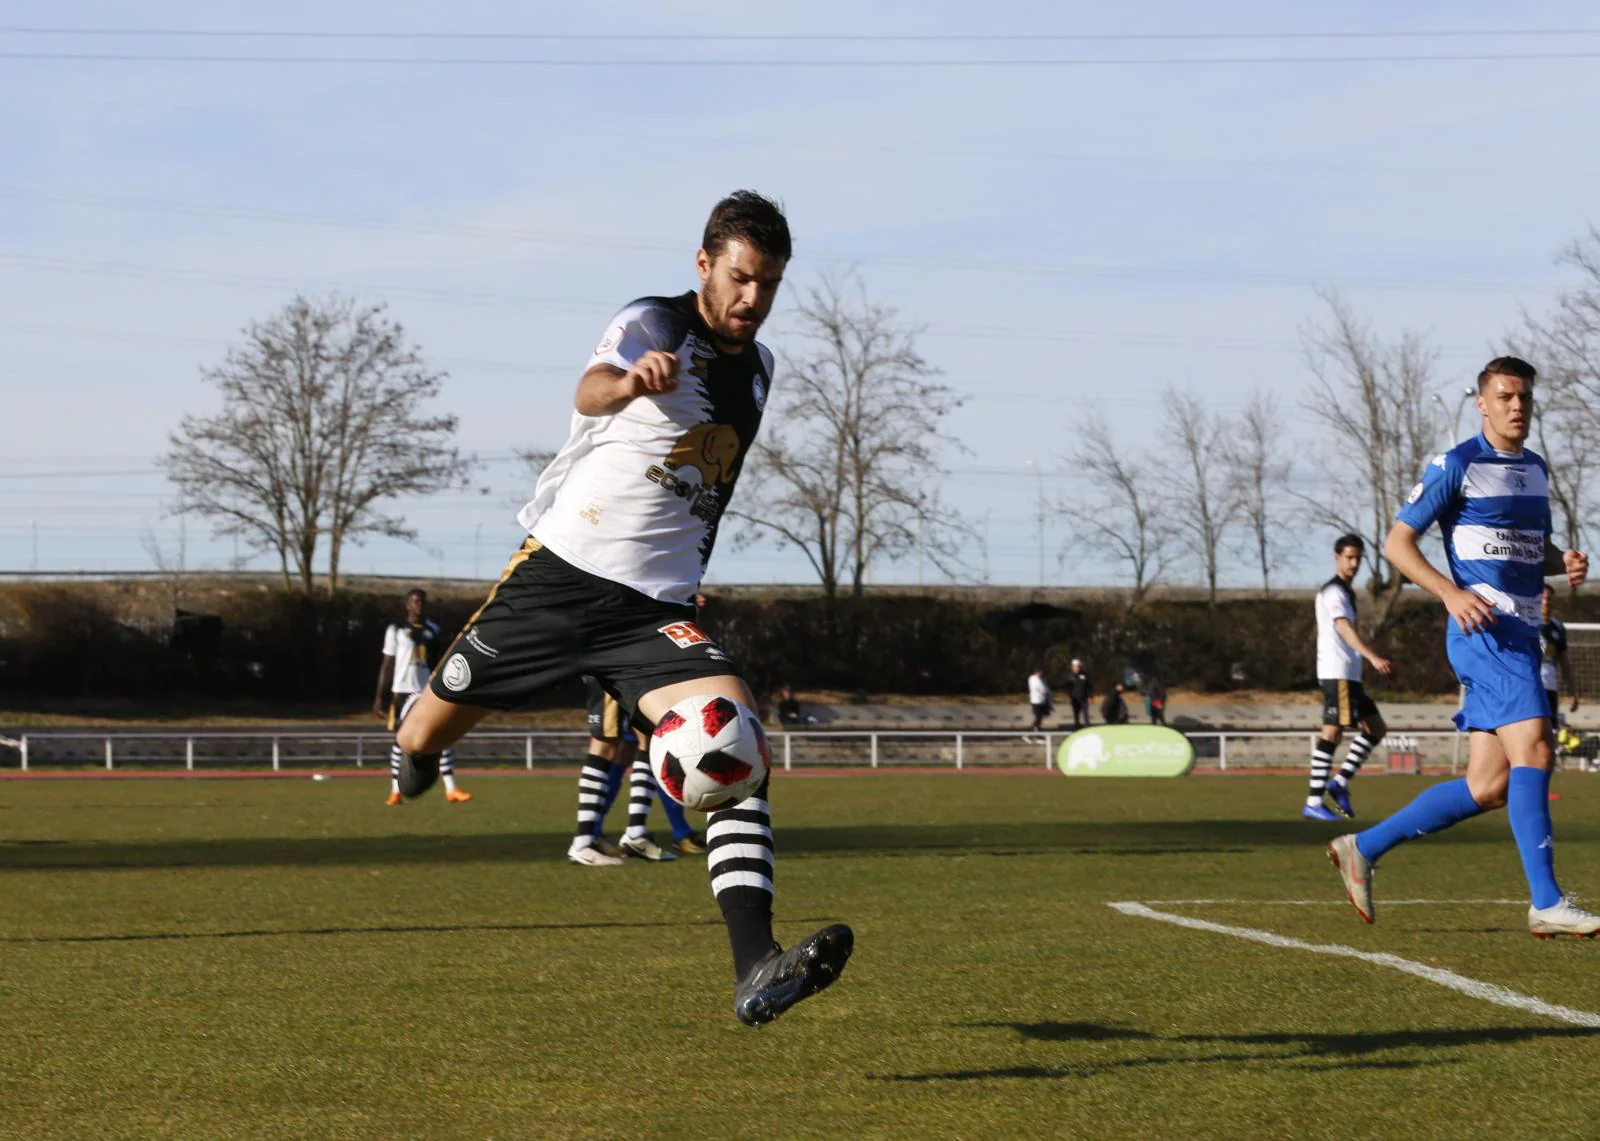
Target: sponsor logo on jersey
685,634
711,449
1416,494
457,674
1499,543
611,340
758,390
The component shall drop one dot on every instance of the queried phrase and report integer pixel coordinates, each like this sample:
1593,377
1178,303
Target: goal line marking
1485,992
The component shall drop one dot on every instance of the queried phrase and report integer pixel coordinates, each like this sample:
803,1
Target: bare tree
1198,482
1372,398
1566,348
321,428
848,469
1259,472
1123,518
172,565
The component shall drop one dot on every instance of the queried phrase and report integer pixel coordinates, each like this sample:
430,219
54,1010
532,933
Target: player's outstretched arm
1471,612
605,390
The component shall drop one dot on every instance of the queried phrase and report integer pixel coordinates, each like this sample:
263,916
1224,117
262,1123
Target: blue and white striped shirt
1493,511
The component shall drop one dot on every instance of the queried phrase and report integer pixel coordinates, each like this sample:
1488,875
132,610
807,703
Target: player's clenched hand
1577,564
654,372
1471,612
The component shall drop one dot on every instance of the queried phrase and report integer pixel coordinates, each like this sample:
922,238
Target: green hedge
259,642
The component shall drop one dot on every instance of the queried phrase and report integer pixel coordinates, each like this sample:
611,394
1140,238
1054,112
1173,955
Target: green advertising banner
1126,751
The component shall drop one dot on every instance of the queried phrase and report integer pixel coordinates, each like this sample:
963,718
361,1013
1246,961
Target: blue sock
1528,805
676,818
1433,810
613,786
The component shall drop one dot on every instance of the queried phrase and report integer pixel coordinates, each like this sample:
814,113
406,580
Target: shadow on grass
1370,1042
396,929
1097,1069
1310,1052
1116,840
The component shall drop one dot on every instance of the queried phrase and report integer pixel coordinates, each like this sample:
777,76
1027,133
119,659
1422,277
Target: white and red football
709,752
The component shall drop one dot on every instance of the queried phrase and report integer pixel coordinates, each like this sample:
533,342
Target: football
708,752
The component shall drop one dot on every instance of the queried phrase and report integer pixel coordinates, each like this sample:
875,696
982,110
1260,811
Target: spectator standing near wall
1080,690
1114,709
1039,698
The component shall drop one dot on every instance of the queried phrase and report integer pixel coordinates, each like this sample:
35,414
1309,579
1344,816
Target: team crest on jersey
457,674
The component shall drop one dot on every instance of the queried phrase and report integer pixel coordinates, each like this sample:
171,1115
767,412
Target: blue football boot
1318,812
1340,795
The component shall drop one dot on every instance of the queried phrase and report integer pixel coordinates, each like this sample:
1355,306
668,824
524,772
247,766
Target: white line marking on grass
1487,992
1333,902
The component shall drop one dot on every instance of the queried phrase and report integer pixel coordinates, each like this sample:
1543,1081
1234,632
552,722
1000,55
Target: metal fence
1224,751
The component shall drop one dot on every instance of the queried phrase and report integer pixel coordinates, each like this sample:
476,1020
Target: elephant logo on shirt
711,449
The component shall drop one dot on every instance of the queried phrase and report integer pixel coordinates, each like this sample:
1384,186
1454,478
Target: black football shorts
608,721
1346,703
547,622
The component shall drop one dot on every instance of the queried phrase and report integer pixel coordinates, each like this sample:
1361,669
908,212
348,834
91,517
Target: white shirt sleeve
1337,604
390,649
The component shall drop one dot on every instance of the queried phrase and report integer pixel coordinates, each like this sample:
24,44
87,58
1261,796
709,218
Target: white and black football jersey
1335,658
636,497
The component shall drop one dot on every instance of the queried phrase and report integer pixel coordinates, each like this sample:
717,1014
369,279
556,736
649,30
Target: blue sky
1072,237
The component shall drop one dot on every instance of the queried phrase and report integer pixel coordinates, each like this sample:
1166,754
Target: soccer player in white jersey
620,528
1491,499
1345,701
410,651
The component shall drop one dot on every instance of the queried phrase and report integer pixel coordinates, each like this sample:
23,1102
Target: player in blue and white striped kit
1491,499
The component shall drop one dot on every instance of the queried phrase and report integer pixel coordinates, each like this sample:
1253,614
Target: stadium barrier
1219,750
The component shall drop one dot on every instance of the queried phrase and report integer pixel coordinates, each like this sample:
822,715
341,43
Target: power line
826,256
801,37
749,64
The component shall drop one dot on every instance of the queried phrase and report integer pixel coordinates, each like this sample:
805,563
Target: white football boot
1356,872
591,857
1563,918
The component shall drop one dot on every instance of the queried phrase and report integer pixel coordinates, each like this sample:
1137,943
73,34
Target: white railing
1223,750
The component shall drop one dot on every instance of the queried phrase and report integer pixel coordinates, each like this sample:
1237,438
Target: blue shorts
1500,669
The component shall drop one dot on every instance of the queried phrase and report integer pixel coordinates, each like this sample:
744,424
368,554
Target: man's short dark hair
1344,542
1507,366
747,217
1548,589
417,592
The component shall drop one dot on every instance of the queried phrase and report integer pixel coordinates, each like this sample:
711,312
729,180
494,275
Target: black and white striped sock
447,769
394,768
641,794
1321,766
591,799
739,857
1360,749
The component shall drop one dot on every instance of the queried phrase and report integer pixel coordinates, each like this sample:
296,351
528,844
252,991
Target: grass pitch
241,958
